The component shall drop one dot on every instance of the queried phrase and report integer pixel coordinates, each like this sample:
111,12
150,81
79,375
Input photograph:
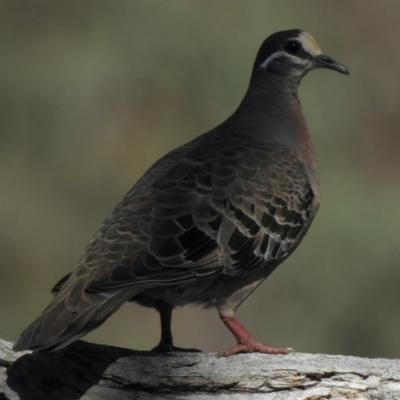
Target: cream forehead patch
309,44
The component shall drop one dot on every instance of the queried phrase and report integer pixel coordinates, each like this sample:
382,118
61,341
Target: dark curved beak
323,61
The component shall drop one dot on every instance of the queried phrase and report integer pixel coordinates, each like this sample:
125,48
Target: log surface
88,371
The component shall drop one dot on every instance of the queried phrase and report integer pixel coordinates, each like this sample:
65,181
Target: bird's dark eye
292,46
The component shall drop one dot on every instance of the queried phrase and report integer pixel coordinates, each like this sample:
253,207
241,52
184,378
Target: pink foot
251,346
245,342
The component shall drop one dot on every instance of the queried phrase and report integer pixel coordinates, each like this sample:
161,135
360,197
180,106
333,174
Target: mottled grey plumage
209,221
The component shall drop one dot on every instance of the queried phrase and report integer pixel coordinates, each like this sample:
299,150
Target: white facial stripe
297,60
309,44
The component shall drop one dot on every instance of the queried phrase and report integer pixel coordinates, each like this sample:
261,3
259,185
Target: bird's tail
71,314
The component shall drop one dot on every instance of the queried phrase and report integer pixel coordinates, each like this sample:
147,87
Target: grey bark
87,371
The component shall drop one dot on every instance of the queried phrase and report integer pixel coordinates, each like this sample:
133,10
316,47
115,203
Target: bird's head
292,54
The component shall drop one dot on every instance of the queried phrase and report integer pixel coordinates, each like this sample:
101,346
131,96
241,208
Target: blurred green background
93,92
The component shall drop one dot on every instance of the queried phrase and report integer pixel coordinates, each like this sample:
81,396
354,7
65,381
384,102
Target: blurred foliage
93,92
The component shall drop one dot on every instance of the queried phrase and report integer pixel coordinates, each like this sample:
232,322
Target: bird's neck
271,112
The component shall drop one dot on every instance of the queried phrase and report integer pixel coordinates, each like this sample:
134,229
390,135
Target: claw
251,346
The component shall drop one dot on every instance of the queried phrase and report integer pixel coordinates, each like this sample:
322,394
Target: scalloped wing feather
207,214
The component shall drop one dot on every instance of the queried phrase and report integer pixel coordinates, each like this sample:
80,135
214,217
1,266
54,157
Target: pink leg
245,342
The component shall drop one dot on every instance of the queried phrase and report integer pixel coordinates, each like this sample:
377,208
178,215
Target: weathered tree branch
88,371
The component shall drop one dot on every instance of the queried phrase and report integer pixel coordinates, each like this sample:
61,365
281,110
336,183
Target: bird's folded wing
210,213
